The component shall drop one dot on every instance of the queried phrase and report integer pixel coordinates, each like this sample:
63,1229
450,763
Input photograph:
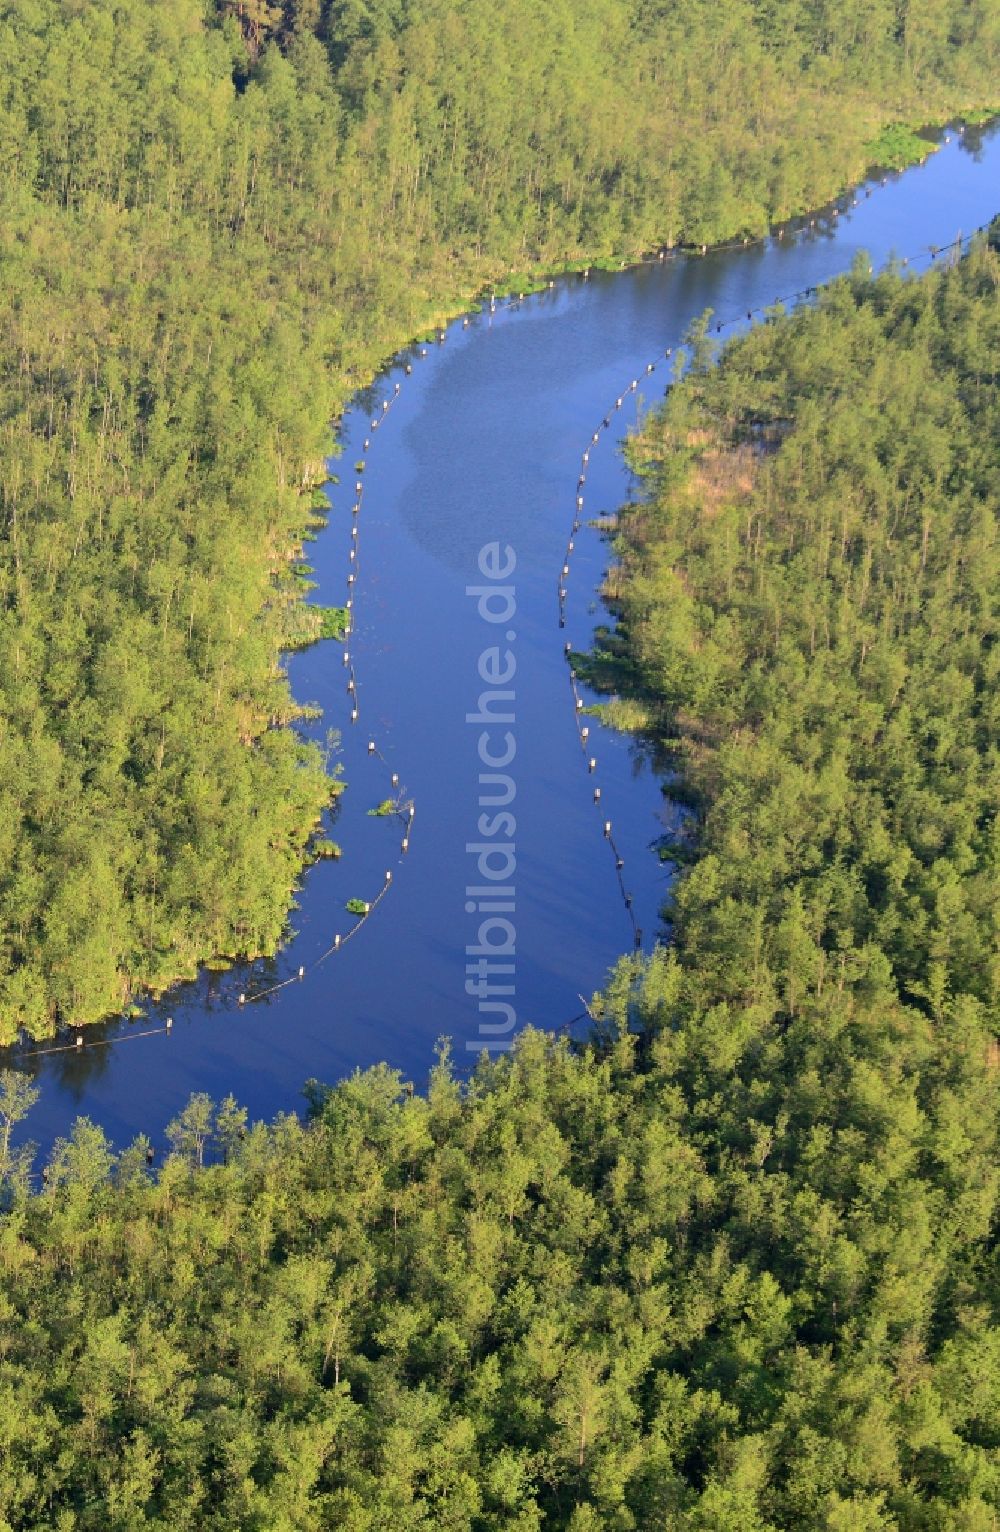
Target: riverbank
270,262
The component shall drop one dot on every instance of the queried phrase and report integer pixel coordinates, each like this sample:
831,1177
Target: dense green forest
215,220
731,1266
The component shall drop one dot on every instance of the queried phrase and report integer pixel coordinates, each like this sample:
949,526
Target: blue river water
481,445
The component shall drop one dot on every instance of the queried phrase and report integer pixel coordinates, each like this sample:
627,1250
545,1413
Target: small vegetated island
729,1266
216,219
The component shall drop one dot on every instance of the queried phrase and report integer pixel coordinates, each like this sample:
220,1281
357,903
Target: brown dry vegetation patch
724,476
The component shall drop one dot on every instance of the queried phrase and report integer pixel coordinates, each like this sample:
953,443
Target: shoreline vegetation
217,222
730,1263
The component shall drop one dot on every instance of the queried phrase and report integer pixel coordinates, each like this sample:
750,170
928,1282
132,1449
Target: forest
216,220
731,1265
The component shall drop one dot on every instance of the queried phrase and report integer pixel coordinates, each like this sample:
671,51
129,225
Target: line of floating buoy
253,997
578,705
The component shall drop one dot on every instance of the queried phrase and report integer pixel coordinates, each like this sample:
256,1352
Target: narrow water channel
481,445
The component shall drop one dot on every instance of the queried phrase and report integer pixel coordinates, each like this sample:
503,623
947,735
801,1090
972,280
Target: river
481,445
